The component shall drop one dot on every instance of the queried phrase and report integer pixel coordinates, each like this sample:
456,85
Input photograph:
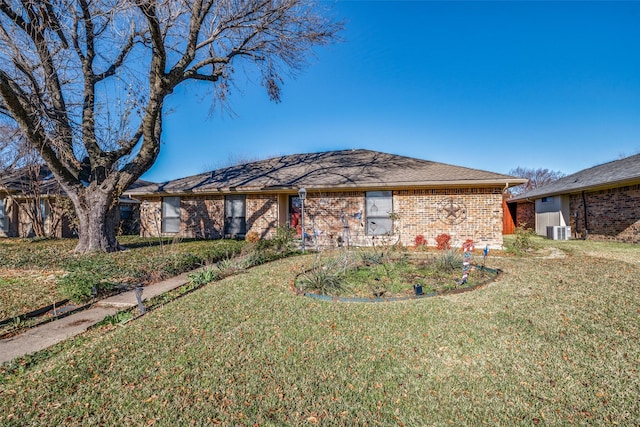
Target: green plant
81,286
205,275
523,239
325,278
449,260
284,237
229,265
120,317
369,257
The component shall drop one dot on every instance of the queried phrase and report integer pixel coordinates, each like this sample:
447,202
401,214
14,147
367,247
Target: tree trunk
97,214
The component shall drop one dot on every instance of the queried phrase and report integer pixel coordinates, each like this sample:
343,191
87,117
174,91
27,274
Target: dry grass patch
35,288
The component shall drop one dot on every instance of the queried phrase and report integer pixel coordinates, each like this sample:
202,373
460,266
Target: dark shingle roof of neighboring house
18,182
346,169
608,175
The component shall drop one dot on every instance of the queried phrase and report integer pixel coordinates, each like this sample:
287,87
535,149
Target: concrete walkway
48,334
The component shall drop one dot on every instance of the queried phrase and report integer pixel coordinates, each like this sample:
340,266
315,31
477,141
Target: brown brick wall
612,214
151,217
335,217
262,214
202,216
432,212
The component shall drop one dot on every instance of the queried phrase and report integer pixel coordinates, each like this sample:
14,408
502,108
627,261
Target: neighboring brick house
32,192
352,196
599,203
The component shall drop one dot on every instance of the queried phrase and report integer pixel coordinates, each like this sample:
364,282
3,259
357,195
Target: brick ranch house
352,197
598,203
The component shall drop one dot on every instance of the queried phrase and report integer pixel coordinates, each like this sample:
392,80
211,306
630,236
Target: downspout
586,226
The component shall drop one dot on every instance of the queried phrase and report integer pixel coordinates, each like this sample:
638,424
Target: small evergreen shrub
206,275
524,239
81,286
372,258
284,237
325,279
450,260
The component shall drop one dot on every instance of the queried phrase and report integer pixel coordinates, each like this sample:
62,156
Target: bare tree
537,178
86,80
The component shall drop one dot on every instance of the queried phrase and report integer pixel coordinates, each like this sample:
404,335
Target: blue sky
487,85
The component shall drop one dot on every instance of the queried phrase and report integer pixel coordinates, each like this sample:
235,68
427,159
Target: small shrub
230,265
325,279
81,286
449,261
252,237
372,258
443,242
420,242
284,237
120,317
524,239
206,275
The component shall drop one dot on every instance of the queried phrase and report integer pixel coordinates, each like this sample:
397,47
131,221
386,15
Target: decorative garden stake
467,248
485,252
138,292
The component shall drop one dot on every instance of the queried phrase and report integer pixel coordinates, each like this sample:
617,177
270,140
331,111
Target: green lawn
552,342
31,270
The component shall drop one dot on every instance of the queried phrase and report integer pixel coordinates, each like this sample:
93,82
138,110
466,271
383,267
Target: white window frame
378,210
171,214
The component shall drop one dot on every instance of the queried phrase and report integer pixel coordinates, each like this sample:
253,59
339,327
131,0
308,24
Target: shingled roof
20,182
346,169
607,175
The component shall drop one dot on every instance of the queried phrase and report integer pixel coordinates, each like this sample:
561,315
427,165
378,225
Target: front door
295,213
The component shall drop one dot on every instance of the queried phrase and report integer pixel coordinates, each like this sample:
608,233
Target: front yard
31,270
553,342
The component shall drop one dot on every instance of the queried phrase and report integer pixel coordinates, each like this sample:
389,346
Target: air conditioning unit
558,232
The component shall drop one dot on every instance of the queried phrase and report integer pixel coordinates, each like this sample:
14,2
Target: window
379,206
126,211
235,211
547,200
170,214
3,220
44,211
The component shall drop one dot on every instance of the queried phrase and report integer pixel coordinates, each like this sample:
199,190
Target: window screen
378,209
235,211
170,214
